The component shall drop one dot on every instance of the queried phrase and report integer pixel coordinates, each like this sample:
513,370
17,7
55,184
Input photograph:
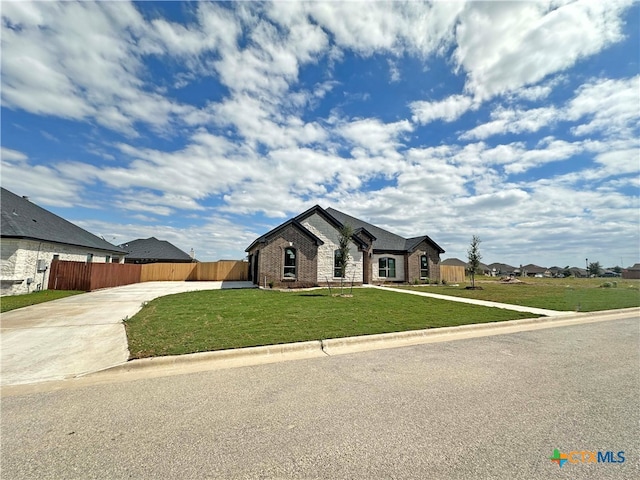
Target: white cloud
80,61
513,121
506,45
448,110
611,105
39,182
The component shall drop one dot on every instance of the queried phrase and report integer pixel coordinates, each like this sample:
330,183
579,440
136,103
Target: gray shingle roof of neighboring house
502,267
384,240
531,268
24,219
454,262
152,249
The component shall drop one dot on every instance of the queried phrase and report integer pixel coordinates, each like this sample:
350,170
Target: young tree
342,256
474,258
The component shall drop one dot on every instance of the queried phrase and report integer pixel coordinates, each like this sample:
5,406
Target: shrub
444,282
606,285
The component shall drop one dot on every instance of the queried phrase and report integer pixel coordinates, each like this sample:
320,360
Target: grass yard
12,302
568,294
222,319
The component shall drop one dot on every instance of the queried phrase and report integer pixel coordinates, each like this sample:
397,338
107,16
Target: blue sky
206,124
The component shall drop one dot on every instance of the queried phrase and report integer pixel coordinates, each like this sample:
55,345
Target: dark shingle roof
154,249
454,262
24,219
502,267
385,240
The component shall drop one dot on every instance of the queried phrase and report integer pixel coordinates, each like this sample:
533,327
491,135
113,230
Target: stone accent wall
331,238
433,259
271,260
19,262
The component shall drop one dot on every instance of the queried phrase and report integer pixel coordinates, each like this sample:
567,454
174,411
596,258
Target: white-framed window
424,267
387,267
289,263
89,257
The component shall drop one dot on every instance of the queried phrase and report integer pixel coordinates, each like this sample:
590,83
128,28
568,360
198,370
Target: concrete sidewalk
78,334
484,303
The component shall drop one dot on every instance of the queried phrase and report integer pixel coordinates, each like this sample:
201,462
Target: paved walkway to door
78,334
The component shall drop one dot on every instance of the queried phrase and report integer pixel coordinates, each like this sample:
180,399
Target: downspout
35,268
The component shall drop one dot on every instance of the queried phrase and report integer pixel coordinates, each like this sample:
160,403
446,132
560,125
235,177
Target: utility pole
586,261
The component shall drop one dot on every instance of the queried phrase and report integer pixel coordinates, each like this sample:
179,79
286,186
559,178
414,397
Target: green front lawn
12,302
222,319
567,294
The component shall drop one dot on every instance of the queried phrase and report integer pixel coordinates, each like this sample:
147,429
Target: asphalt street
489,407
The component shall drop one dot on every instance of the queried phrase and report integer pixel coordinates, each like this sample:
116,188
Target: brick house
302,251
33,237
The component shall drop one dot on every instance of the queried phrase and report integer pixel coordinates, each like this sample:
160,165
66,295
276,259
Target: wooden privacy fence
452,274
166,272
224,270
65,275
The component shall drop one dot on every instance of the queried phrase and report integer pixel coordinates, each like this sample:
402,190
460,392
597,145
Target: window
424,267
107,259
290,263
56,257
337,256
387,267
89,257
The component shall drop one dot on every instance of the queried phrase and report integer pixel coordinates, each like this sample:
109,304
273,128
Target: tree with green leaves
594,269
473,258
342,255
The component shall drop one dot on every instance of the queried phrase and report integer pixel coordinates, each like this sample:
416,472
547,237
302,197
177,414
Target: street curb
339,346
230,358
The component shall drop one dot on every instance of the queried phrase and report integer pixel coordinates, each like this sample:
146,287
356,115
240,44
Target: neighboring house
532,270
502,269
33,237
303,252
631,272
152,250
578,272
456,262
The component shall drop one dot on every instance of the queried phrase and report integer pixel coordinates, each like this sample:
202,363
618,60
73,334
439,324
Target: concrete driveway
78,334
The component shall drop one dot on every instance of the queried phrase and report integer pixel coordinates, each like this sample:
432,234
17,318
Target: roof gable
24,219
293,222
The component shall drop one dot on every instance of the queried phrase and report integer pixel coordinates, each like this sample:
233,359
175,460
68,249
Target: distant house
456,262
578,272
152,250
33,237
532,270
303,251
502,269
632,272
